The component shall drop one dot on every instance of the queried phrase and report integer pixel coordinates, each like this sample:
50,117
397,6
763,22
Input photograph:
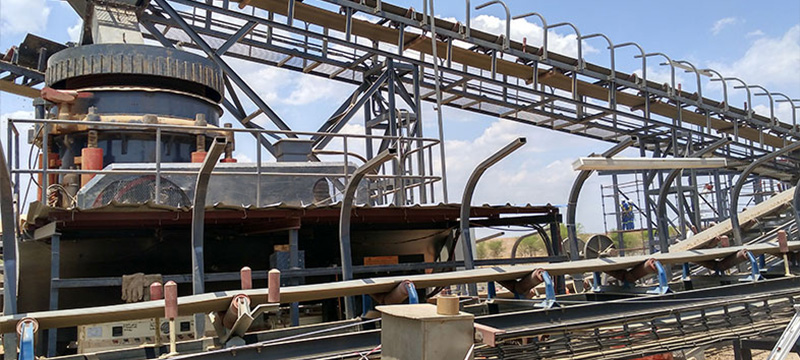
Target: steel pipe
198,224
644,60
466,200
577,186
344,217
661,203
797,207
725,106
544,31
9,223
507,40
737,189
579,66
689,67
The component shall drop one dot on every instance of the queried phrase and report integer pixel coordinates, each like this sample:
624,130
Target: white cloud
768,62
534,34
23,16
74,31
723,23
755,33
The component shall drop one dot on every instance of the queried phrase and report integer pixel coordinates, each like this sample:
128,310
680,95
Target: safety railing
410,179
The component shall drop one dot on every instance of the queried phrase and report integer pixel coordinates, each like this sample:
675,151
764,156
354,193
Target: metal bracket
755,269
26,328
549,301
663,281
413,298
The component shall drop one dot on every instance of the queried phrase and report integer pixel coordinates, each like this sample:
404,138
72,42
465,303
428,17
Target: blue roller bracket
663,281
755,269
413,298
549,293
491,290
27,329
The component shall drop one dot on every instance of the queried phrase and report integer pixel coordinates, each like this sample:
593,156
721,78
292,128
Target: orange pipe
91,159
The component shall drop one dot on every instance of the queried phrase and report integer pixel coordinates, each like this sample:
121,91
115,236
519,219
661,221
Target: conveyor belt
219,301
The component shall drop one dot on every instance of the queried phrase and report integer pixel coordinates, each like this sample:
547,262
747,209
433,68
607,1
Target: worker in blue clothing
627,215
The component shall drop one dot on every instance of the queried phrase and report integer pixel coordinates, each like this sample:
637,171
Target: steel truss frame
471,87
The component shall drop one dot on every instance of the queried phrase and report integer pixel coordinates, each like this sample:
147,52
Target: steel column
9,223
55,274
797,207
294,264
737,188
198,225
344,218
466,200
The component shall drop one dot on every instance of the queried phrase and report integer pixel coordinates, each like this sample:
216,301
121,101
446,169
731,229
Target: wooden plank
704,237
16,89
601,163
219,301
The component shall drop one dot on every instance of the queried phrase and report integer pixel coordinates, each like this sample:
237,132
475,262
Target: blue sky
757,42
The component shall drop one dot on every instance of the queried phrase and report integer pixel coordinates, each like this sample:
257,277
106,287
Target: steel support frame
735,192
277,25
217,59
466,201
10,266
198,225
344,218
661,202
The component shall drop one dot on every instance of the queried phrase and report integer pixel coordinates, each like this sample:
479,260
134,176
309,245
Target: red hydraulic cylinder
198,156
91,159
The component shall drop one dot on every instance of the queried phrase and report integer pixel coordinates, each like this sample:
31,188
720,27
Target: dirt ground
726,353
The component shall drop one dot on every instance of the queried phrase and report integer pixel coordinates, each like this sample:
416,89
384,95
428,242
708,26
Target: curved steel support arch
768,94
797,207
689,67
725,106
671,91
661,203
344,218
749,110
540,231
580,64
544,31
466,200
507,40
644,60
737,230
791,103
577,186
613,74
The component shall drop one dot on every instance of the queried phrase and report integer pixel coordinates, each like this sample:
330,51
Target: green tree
482,251
495,248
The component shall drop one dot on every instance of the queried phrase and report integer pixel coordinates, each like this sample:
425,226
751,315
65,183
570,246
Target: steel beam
797,208
198,225
10,269
212,54
466,201
661,203
737,189
344,218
